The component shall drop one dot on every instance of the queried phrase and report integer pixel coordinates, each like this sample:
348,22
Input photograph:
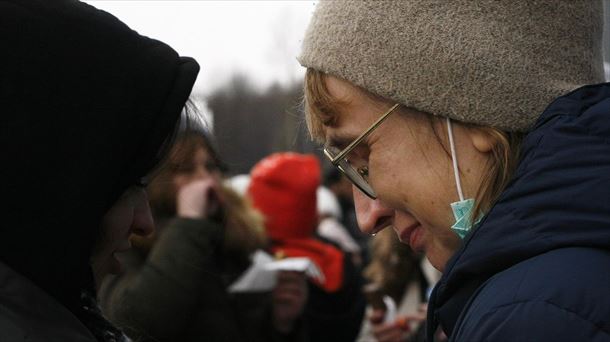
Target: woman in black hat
87,108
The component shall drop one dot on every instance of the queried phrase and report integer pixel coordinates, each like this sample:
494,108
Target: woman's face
202,167
129,214
409,170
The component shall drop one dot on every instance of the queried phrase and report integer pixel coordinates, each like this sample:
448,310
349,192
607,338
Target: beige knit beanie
492,62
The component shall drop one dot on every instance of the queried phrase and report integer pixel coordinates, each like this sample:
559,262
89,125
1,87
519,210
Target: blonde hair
321,110
393,264
245,232
501,166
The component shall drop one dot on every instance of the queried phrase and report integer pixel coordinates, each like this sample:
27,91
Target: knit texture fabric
494,63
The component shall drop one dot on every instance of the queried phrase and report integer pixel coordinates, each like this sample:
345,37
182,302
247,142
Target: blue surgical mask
462,210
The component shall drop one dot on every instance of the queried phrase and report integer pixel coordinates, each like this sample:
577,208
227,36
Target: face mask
462,210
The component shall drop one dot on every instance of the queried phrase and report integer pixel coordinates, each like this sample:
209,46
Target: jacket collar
29,314
561,183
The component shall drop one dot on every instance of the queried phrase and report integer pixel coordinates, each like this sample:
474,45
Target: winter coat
178,292
537,268
37,317
85,106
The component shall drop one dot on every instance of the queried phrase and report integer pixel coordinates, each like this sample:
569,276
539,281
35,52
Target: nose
142,223
199,173
372,215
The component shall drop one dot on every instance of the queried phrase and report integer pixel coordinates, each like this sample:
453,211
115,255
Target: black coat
538,266
85,105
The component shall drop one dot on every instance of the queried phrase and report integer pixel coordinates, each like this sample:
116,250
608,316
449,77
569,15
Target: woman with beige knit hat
479,131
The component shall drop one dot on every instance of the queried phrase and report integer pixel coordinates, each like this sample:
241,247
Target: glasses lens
350,172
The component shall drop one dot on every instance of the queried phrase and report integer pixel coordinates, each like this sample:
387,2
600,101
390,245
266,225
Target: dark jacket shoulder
554,296
537,258
27,313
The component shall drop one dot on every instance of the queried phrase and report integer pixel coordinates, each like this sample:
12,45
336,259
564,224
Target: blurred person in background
175,284
88,107
341,187
479,132
283,188
330,227
407,279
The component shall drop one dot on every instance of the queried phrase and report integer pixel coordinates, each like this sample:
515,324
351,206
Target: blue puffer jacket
538,266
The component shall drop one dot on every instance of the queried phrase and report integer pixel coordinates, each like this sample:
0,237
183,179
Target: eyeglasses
358,175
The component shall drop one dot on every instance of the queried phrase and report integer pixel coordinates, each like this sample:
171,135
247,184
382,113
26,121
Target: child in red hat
283,187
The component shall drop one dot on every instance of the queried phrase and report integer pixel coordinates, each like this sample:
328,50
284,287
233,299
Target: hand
389,332
385,332
198,199
396,331
289,298
377,316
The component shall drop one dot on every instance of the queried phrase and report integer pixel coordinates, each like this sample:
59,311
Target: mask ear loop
456,172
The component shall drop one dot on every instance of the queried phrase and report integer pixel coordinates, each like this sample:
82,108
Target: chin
436,263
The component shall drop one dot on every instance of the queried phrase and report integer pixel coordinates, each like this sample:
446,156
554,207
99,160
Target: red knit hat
283,187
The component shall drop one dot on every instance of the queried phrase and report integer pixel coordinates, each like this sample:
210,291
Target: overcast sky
260,39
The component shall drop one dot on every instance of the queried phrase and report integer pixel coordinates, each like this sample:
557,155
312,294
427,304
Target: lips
412,236
115,264
124,247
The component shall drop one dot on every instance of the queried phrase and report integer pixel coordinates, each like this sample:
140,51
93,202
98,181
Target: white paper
262,273
298,265
390,313
256,278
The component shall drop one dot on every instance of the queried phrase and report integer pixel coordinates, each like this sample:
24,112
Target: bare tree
250,124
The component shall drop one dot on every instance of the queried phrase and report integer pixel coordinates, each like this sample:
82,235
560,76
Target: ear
481,140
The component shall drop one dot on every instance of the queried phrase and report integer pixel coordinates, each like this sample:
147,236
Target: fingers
288,292
291,286
389,332
289,298
393,331
377,316
291,277
198,199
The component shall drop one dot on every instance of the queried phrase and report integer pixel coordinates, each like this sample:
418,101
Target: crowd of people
478,131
